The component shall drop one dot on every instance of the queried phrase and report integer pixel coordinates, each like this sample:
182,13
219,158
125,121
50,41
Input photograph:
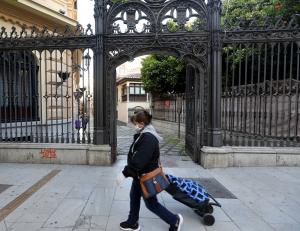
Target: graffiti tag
48,153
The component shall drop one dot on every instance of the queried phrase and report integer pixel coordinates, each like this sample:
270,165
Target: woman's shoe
129,227
178,224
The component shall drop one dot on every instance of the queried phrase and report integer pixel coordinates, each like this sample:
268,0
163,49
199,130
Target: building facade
130,92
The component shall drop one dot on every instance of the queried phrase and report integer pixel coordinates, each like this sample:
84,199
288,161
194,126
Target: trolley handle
216,202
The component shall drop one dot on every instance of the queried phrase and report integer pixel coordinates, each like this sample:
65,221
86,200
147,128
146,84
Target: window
124,90
137,92
136,89
75,4
18,86
131,90
124,93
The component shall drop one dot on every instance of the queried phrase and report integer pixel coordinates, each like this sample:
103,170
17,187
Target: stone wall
55,153
232,156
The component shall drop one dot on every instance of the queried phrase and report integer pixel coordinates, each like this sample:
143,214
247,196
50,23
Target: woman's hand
120,178
129,172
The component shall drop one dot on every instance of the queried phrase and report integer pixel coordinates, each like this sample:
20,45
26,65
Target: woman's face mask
139,127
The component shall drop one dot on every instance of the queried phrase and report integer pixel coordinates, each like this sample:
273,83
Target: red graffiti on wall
48,153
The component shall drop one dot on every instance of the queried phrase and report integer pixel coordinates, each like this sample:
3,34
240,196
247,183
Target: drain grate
215,188
3,187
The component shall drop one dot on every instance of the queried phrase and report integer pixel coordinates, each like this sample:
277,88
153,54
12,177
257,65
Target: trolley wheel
208,219
209,209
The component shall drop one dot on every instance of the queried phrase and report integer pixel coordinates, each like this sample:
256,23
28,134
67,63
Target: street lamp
87,59
78,94
85,116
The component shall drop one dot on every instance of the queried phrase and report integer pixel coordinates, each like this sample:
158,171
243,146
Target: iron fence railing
169,108
260,92
45,89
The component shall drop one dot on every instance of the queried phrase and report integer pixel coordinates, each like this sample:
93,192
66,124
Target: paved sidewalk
86,198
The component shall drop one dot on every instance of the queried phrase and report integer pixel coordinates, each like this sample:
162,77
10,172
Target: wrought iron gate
196,111
135,28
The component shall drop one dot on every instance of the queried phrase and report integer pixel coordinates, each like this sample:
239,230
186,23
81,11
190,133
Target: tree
260,9
162,74
234,9
286,8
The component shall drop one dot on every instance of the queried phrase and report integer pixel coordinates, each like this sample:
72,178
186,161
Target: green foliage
119,1
289,7
233,9
238,54
189,26
172,26
163,74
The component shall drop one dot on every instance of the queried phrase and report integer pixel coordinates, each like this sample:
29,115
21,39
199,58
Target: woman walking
143,157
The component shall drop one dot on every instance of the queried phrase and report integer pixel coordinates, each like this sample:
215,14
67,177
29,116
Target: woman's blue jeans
151,203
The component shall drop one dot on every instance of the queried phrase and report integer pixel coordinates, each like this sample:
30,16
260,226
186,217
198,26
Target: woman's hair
141,116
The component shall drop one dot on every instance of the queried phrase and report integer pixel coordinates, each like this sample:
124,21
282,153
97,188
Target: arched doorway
184,29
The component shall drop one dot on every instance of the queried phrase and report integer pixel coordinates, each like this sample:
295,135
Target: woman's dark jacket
143,155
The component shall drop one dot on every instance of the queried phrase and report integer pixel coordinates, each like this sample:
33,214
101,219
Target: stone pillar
215,59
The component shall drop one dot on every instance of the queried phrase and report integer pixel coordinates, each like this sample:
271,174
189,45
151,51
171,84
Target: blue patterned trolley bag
192,189
193,195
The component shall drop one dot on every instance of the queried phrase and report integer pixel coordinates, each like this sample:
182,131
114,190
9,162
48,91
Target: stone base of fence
227,156
86,154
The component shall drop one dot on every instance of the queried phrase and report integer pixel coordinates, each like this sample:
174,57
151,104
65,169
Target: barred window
18,86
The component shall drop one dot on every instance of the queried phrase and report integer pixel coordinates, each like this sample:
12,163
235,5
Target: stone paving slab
86,198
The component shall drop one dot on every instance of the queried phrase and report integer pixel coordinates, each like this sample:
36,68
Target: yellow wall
29,13
56,5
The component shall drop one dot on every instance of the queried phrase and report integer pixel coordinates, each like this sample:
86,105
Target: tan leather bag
153,182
